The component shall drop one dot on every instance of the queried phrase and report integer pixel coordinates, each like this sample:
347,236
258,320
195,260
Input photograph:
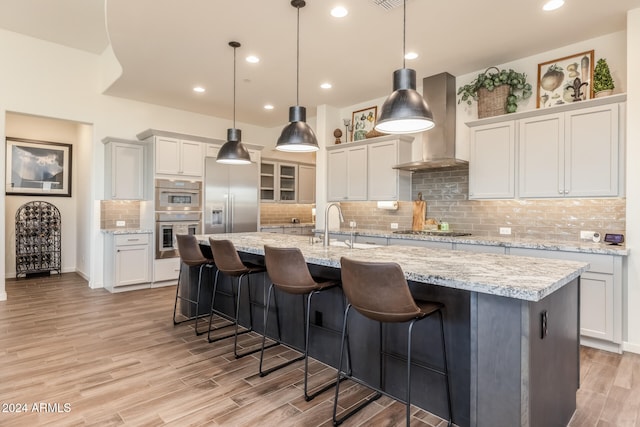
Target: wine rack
38,238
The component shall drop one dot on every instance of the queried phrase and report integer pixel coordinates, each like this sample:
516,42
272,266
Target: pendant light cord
404,34
234,87
298,59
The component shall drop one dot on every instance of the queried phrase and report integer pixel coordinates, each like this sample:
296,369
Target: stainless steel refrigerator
231,197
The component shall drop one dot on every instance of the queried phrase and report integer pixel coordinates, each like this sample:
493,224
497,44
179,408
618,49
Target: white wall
632,296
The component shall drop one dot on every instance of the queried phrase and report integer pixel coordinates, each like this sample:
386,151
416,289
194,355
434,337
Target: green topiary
602,77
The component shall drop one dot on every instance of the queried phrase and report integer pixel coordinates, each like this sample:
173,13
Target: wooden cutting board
419,214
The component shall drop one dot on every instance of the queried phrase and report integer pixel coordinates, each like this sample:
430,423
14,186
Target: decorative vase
603,93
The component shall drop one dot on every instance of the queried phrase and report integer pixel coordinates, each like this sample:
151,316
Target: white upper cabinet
492,161
568,151
125,169
363,170
278,182
572,154
542,155
306,184
347,174
592,152
178,157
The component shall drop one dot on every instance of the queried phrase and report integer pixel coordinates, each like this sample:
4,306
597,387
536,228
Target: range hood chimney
439,143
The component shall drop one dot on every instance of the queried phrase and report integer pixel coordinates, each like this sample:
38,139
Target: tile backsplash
119,210
282,213
446,192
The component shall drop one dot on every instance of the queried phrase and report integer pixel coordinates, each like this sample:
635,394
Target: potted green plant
496,91
602,81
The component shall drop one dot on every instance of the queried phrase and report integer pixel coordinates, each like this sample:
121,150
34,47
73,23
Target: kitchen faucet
325,241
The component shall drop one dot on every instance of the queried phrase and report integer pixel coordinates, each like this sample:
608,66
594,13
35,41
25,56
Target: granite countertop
126,231
507,241
523,278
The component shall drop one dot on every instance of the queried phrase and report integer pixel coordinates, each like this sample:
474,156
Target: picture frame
39,168
363,121
559,79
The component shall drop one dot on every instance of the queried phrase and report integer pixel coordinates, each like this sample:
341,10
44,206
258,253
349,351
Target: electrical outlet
352,224
505,230
586,235
120,223
394,225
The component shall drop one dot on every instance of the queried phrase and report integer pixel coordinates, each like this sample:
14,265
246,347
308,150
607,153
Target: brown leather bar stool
289,273
379,291
191,256
228,262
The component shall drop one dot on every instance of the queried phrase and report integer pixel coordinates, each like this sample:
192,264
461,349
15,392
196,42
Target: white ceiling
168,46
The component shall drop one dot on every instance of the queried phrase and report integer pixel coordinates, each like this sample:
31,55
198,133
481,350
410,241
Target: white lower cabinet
600,296
128,263
166,269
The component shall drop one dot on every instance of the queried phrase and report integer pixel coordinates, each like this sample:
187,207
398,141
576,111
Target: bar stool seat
191,256
289,273
379,291
230,264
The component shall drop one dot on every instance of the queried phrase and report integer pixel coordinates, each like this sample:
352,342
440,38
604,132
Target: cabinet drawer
166,269
599,263
132,239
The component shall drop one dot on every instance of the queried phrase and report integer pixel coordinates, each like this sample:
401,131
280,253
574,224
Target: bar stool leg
175,305
446,368
235,339
198,300
264,338
409,339
373,398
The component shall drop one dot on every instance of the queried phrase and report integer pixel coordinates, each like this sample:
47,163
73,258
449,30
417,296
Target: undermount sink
355,245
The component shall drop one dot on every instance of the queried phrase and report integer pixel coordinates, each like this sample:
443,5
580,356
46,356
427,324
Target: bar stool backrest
288,270
227,259
378,290
189,250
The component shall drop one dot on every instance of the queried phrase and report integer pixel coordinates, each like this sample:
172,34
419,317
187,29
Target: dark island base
503,371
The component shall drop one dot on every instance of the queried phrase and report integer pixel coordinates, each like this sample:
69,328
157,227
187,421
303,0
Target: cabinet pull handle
132,240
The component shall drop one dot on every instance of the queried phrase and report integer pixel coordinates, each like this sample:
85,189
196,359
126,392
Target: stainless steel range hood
439,143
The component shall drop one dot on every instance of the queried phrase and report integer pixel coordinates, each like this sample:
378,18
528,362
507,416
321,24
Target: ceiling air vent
387,4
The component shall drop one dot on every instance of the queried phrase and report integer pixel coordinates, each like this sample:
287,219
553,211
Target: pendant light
405,110
233,152
297,136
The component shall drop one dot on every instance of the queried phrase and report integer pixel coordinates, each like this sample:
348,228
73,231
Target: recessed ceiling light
339,12
325,85
411,55
268,107
253,59
553,5
198,89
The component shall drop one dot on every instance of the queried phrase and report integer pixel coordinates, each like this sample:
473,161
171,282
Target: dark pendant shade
297,136
233,152
405,110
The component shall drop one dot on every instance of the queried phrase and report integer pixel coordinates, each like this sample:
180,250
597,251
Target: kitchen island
511,329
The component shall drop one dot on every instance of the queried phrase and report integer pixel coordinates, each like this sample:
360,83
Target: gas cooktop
433,233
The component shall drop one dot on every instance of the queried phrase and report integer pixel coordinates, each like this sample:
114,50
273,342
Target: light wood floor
117,359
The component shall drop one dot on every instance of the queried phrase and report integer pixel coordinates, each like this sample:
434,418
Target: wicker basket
492,103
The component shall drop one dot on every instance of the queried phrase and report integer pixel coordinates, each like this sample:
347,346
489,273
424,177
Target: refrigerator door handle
232,203
226,213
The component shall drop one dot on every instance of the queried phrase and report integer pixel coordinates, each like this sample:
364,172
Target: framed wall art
363,121
38,168
565,80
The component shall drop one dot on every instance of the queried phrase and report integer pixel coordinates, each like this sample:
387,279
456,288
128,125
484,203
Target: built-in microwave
176,195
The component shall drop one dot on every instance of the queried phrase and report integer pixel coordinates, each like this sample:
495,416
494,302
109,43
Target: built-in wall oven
178,195
170,224
178,211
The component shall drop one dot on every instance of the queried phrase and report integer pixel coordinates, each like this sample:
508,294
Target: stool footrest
264,373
